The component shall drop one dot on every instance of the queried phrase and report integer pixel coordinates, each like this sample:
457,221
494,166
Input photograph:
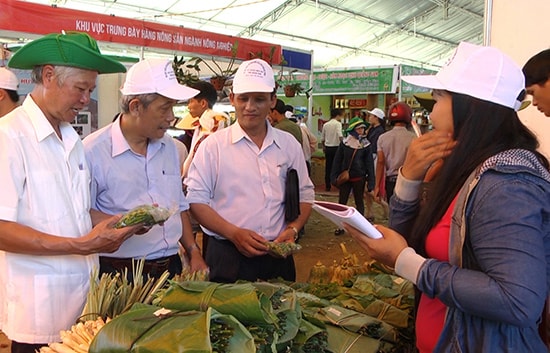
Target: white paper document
340,214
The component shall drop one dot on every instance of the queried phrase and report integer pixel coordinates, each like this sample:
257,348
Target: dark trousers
152,268
330,152
17,347
358,188
228,265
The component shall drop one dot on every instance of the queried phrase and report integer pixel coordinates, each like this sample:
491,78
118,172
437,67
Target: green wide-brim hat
355,122
75,49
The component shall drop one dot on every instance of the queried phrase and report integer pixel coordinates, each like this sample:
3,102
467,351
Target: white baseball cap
379,113
254,76
481,72
8,80
156,76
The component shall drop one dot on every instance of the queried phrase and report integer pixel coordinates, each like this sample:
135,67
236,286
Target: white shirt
45,185
244,184
331,134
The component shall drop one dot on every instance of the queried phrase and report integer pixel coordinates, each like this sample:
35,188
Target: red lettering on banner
41,19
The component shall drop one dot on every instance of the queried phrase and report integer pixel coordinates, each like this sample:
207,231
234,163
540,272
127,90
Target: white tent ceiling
341,33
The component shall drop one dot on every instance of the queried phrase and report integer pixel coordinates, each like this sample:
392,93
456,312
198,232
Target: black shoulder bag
292,195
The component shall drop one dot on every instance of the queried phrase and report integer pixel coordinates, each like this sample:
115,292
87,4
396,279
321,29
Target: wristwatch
295,232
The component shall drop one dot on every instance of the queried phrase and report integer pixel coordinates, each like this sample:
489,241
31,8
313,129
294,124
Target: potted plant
220,75
293,89
288,82
183,74
268,57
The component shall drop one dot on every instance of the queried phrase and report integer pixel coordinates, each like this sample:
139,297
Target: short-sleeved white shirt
45,185
245,184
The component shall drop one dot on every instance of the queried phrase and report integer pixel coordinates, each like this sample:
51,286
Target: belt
392,178
155,266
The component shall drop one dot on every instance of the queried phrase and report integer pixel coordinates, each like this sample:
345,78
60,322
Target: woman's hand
424,151
386,249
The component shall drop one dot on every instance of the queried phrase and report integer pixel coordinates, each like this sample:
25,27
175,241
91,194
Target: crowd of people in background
481,268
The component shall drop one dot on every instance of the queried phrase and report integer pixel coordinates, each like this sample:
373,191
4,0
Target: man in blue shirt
134,162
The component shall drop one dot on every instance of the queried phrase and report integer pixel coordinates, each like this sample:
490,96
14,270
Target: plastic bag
148,215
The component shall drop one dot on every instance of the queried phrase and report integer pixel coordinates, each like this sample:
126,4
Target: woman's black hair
481,129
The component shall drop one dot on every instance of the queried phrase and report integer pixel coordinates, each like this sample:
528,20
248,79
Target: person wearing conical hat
48,247
204,120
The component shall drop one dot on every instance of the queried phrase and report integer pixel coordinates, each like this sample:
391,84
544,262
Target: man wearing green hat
47,244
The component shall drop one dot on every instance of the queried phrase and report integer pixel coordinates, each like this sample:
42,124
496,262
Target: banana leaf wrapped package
148,215
150,329
286,307
353,321
242,300
282,249
341,340
310,338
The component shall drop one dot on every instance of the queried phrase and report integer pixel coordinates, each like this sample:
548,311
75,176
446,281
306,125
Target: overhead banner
33,18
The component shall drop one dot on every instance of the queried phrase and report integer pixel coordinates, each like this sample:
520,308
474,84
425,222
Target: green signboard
368,80
408,89
358,81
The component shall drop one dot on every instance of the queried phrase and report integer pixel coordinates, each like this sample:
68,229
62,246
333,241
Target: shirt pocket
45,194
170,192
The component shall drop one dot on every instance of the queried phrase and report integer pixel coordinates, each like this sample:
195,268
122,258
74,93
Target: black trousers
17,347
228,265
358,188
330,152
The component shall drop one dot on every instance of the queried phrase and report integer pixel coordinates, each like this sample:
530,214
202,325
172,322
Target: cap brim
428,81
61,51
252,88
178,92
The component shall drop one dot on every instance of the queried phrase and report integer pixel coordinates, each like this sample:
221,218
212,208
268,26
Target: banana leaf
242,300
354,322
142,329
383,285
380,309
310,339
341,340
285,305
